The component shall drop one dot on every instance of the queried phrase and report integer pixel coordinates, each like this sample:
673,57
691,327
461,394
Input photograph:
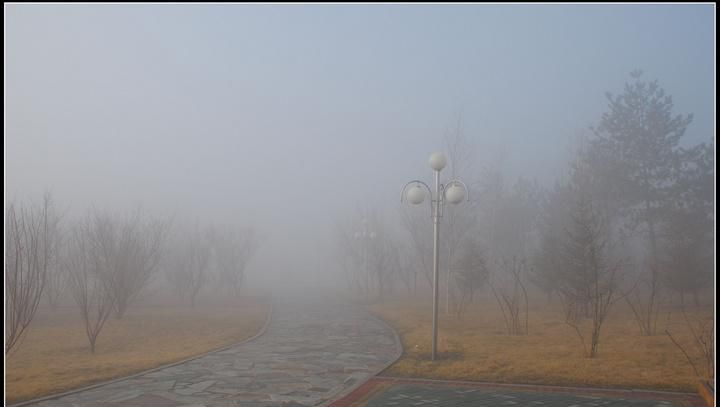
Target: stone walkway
310,353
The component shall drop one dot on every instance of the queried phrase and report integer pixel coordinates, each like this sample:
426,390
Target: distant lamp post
454,191
365,236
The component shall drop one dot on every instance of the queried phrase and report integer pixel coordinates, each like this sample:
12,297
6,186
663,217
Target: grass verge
477,348
55,355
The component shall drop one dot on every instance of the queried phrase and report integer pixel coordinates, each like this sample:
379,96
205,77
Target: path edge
399,350
144,372
541,387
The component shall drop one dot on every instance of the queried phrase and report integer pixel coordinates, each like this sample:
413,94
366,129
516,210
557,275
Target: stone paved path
310,353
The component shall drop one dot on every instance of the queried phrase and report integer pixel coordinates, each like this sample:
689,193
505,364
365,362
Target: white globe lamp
455,194
437,161
415,194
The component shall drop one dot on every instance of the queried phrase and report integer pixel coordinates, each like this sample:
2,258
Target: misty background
289,118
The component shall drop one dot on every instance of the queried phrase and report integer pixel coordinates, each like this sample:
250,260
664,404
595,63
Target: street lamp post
365,236
454,191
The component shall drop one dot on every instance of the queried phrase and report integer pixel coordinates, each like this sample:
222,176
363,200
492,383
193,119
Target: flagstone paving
310,353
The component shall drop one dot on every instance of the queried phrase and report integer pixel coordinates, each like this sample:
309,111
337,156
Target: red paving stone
379,384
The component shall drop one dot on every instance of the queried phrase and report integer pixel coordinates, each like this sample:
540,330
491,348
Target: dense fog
255,139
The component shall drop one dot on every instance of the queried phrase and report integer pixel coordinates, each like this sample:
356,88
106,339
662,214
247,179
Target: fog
294,119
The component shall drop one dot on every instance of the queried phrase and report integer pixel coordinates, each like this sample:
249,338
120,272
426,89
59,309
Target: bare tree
341,257
188,266
382,257
553,224
344,255
232,249
31,233
418,226
588,279
509,289
370,255
460,220
406,273
353,248
90,262
56,278
702,330
137,256
471,274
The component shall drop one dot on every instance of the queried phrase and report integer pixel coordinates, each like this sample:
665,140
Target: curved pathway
310,353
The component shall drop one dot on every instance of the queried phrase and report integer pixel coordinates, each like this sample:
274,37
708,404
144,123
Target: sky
291,117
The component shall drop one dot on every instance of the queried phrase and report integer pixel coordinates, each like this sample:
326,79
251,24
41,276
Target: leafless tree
29,246
90,262
56,280
137,256
370,255
471,274
55,285
382,257
554,221
509,289
646,298
232,250
406,273
350,252
418,225
589,277
188,265
459,220
342,256
702,330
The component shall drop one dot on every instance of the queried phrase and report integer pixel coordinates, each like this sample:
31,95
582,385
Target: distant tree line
105,260
632,221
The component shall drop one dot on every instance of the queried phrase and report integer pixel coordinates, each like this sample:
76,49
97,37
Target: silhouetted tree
188,264
232,250
552,227
588,276
508,285
635,151
471,273
137,250
30,237
90,262
688,228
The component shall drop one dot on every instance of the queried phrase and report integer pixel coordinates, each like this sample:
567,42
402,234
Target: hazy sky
288,117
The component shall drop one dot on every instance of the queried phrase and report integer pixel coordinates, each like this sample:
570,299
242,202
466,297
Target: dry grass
477,348
55,355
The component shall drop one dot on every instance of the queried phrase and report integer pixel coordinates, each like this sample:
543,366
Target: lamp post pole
365,236
454,192
436,261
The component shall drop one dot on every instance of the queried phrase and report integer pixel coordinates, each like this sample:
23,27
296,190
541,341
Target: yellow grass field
55,355
477,348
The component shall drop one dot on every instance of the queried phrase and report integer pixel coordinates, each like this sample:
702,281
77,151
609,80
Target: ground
55,355
310,352
318,352
477,348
